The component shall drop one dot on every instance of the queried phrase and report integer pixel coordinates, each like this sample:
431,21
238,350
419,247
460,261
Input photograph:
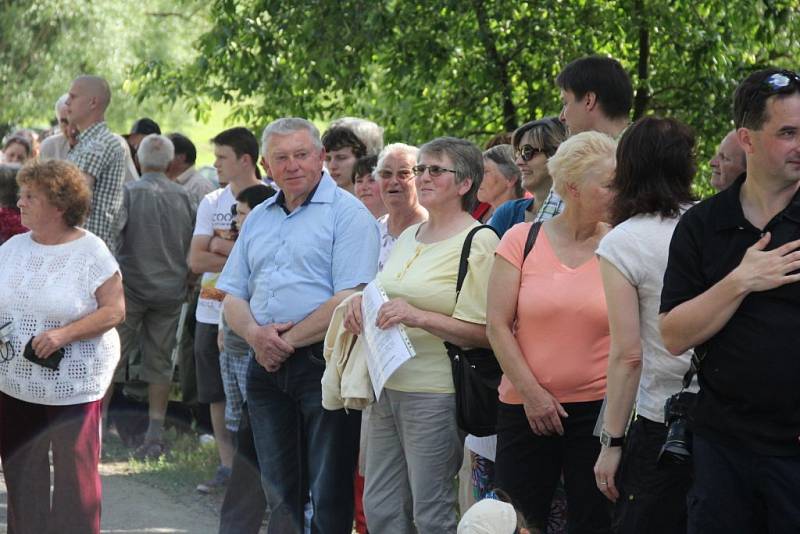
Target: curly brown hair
64,186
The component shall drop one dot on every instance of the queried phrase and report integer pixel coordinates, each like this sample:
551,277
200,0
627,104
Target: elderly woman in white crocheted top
61,297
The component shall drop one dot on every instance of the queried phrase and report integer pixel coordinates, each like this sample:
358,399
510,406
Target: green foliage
44,44
472,68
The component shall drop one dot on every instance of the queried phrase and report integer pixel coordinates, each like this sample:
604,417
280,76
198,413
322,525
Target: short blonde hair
577,157
64,186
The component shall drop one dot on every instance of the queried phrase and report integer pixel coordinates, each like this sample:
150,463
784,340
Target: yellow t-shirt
425,276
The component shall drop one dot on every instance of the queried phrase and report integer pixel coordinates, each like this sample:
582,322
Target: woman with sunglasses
534,143
549,331
413,446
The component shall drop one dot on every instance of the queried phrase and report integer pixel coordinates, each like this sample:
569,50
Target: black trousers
244,505
528,467
652,497
736,490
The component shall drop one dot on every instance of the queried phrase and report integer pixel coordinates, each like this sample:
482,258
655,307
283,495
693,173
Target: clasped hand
270,349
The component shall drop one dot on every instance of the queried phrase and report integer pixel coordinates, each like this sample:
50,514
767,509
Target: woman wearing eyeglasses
391,185
534,142
395,175
549,331
413,445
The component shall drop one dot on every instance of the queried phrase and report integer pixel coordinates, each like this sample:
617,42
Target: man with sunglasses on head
731,291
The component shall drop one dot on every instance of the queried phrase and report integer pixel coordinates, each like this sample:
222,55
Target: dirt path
131,507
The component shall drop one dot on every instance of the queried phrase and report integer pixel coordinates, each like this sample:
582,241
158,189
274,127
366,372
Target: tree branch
500,64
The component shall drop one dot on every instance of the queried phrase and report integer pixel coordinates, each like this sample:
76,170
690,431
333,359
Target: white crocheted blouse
48,286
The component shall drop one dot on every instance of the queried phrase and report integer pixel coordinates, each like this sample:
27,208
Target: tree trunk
642,98
500,66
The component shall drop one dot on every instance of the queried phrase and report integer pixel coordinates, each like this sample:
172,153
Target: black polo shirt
750,374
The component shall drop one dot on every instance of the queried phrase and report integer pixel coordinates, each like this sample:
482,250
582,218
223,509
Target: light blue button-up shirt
287,265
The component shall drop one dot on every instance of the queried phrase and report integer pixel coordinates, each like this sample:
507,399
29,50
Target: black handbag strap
463,264
533,233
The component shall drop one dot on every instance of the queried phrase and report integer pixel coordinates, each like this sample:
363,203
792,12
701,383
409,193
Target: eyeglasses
527,152
402,174
433,170
771,85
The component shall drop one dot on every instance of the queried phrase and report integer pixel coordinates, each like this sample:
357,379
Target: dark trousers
652,497
528,467
244,505
736,490
27,433
187,370
302,446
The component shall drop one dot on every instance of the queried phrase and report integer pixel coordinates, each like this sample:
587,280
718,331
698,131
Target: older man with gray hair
156,222
299,255
58,145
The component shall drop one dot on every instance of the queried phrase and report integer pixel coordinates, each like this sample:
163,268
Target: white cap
488,516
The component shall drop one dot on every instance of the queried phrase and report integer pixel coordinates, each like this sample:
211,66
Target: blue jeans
301,446
736,490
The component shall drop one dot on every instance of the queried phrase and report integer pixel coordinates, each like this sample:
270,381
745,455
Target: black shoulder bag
476,372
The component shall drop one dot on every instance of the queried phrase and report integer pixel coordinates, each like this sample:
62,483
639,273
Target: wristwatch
606,440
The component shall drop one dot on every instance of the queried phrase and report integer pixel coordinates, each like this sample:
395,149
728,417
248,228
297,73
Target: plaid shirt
100,155
553,205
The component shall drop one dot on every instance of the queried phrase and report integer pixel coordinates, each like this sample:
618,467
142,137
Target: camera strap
694,368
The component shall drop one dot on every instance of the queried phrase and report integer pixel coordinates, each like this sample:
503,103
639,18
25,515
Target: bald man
97,153
728,163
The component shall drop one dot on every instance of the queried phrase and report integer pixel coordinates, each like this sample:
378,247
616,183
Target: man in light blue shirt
298,255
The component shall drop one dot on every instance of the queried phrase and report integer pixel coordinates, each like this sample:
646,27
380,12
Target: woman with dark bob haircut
653,183
61,292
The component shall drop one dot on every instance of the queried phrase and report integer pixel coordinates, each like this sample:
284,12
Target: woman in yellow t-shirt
414,450
549,330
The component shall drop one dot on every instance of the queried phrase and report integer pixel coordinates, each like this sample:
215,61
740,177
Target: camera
677,448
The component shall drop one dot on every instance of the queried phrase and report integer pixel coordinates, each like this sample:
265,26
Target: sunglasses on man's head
773,84
780,80
527,152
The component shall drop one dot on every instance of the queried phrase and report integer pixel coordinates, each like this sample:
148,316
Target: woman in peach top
548,327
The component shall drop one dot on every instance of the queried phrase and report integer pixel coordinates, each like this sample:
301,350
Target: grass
186,463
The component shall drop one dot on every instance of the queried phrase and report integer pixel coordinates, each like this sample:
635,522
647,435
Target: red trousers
27,433
360,519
